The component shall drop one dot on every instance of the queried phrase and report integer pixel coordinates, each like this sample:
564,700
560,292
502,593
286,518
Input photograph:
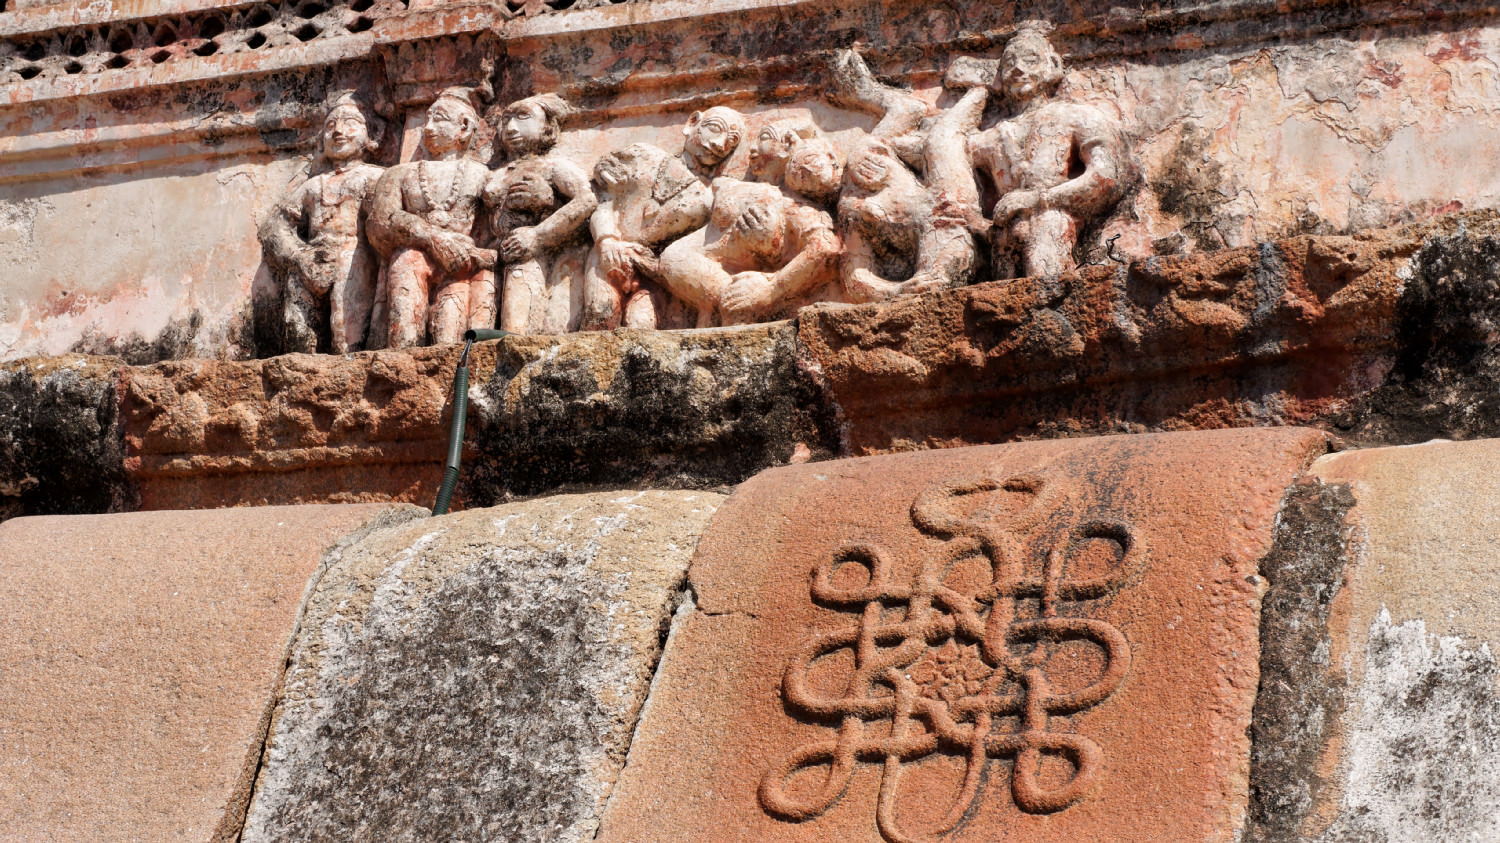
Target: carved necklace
442,212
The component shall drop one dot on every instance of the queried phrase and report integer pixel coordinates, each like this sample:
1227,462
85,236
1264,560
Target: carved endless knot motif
962,666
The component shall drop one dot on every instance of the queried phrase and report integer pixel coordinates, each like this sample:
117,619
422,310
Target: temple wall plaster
79,278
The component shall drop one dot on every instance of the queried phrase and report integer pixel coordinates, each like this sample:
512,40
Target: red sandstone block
1047,641
139,656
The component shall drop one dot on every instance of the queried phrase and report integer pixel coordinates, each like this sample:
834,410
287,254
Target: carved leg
449,316
299,318
640,311
603,306
856,87
950,173
351,300
1008,247
408,280
566,281
691,275
379,333
519,296
481,300
1050,239
945,259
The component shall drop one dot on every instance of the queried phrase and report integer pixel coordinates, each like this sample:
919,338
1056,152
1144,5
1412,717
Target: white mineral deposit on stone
1423,756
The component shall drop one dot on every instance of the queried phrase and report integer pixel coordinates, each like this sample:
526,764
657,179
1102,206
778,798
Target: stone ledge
1386,338
1352,334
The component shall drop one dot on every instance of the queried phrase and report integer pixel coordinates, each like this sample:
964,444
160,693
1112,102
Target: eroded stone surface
294,429
1312,329
693,409
1113,559
60,450
1401,745
477,676
139,662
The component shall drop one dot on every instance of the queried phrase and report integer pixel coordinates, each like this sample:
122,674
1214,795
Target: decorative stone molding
242,27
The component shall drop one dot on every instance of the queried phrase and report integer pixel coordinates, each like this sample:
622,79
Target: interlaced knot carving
938,670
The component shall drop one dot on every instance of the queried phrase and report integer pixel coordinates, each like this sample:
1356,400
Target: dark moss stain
708,414
1300,696
175,342
1188,187
1446,379
61,452
470,717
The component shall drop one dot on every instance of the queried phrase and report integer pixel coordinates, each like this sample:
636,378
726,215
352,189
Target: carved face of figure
346,135
813,169
772,147
449,127
713,134
1029,68
524,128
613,171
871,165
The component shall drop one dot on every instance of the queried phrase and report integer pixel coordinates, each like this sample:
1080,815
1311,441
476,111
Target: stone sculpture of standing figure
314,239
1055,164
439,282
539,203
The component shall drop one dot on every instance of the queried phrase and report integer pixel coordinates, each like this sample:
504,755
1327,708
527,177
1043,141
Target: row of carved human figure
399,257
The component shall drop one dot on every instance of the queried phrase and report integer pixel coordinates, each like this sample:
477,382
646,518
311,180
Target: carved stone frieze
957,144
727,232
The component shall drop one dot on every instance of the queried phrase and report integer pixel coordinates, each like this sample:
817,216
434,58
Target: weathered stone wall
1229,637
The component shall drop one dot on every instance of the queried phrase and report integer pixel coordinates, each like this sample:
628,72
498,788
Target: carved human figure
314,238
439,282
773,147
709,139
1055,164
538,204
649,198
764,246
899,236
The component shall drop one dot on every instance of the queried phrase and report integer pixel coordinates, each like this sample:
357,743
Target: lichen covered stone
477,676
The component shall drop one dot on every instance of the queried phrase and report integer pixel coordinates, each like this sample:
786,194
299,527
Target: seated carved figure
1055,164
899,236
314,239
765,247
538,204
439,283
649,199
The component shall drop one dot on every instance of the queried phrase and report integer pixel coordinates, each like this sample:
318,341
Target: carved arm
570,181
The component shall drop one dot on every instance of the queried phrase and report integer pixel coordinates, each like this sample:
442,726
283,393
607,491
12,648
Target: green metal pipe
460,417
